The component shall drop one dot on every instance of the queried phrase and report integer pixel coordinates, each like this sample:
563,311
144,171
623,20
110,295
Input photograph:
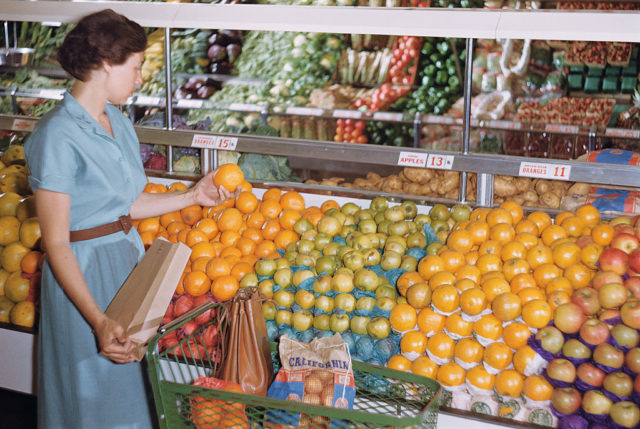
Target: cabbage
364,348
272,330
187,164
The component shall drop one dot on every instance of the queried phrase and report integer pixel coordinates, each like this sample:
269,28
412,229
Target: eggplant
216,84
193,83
235,35
233,52
221,67
217,52
220,39
205,92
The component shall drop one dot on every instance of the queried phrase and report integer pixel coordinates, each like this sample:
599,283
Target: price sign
545,171
304,111
412,159
214,142
443,120
506,125
241,107
387,116
148,101
617,132
556,128
189,104
23,125
347,114
441,162
54,94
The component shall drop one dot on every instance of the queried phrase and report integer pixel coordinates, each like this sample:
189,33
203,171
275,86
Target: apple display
379,328
342,282
304,299
606,354
284,298
601,278
284,316
587,299
590,374
625,414
366,280
359,325
619,384
615,260
325,303
613,295
302,320
575,349
561,370
566,400
624,241
594,402
345,301
625,336
594,332
551,339
322,284
630,314
610,316
633,284
322,322
632,359
339,322
568,318
365,303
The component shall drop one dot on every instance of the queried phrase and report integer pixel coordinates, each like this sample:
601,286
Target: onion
327,397
311,399
312,385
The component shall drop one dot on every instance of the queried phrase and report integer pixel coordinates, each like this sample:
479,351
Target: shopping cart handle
190,315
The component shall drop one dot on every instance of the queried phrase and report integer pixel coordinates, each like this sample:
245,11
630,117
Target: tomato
360,125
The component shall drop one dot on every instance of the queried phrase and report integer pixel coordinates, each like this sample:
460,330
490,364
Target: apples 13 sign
412,159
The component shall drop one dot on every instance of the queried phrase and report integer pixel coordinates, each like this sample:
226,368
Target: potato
418,175
522,184
434,186
504,186
518,198
449,182
392,184
411,188
328,182
498,200
373,177
402,177
579,188
530,196
542,186
452,194
424,190
550,199
311,182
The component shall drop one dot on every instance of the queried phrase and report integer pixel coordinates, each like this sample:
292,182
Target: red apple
568,317
606,354
594,402
623,229
615,260
613,295
630,313
574,348
625,336
594,332
583,240
601,278
607,314
634,260
636,384
587,299
551,339
566,400
633,284
618,383
632,360
590,374
561,370
625,414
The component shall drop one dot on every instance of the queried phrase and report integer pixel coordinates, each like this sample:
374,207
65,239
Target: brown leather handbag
248,355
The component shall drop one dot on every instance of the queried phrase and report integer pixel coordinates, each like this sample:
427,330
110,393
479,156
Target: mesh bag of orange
315,373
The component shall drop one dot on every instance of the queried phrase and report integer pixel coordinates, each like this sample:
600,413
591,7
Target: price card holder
440,162
241,107
146,100
304,111
189,104
26,125
214,142
506,125
52,94
412,159
622,133
541,170
564,129
347,114
388,116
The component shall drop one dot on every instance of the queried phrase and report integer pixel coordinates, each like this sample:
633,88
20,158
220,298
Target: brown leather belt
122,224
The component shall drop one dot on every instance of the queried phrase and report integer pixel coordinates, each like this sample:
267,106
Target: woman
86,172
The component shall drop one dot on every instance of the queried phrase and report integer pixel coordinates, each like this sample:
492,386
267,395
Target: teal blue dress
70,153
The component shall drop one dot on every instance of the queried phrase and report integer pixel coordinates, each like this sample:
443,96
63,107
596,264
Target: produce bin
384,397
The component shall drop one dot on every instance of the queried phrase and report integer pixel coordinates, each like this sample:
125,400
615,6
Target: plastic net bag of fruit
315,373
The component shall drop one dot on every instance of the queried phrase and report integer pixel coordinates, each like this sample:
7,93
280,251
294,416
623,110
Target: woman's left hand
205,192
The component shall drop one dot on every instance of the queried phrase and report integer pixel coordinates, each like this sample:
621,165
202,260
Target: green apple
345,270
359,324
269,310
302,225
379,204
345,301
379,218
364,214
362,241
325,303
421,219
386,303
282,263
309,235
266,267
351,236
375,240
432,249
439,212
249,280
300,276
290,257
321,241
307,260
322,322
460,212
343,250
383,227
401,300
284,316
367,225
408,263
394,214
350,209
305,246
417,239
291,248
339,322
331,249
410,209
322,284
379,328
305,299
382,239
346,230
412,227
353,260
326,264
371,257
266,288
302,320
366,280
365,303
342,283
386,291
439,225
329,225
390,260
284,297
399,228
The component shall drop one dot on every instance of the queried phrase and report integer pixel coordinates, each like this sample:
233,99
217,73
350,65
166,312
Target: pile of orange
497,279
227,240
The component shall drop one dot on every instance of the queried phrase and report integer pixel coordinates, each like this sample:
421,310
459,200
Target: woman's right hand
113,341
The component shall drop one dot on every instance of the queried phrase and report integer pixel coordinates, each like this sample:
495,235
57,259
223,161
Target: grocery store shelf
606,26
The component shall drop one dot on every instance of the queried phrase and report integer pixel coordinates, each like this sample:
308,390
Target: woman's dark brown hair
101,36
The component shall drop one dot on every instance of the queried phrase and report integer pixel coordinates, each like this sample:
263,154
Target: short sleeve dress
69,152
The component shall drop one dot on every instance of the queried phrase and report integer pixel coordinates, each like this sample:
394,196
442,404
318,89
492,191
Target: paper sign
412,159
304,111
148,101
189,104
23,125
387,116
565,129
214,142
433,119
241,107
617,132
506,125
545,171
349,114
55,94
441,162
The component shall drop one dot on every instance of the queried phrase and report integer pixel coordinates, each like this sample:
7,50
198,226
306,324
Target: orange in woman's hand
229,176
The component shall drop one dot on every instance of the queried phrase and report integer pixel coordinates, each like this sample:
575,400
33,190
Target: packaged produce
493,105
515,57
317,373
